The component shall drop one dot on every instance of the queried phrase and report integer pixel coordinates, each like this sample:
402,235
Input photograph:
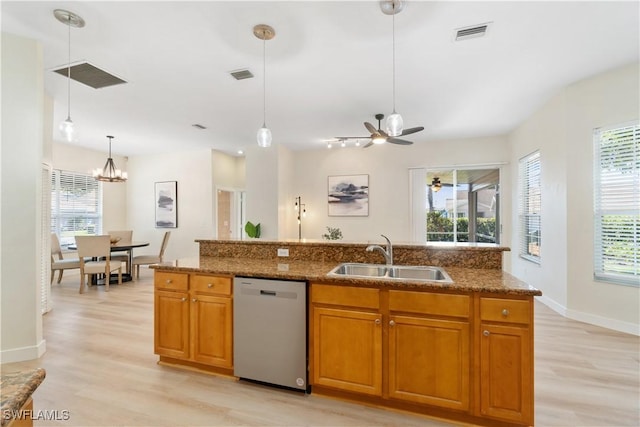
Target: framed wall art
166,204
348,195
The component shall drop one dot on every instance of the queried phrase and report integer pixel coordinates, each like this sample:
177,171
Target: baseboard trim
22,354
592,319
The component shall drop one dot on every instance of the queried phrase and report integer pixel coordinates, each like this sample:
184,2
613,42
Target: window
75,206
529,206
461,205
617,204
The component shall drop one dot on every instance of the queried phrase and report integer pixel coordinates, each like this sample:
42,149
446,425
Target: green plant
253,231
333,234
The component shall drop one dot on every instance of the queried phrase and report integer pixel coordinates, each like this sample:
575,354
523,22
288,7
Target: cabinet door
171,311
347,350
212,330
429,361
506,373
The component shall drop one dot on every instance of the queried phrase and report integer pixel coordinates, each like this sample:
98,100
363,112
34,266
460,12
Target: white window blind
617,204
529,207
45,240
75,206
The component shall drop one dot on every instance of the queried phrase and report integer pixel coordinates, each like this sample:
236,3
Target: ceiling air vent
241,74
90,75
472,32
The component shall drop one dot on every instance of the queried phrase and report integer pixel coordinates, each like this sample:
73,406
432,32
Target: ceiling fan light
379,139
264,137
67,130
395,124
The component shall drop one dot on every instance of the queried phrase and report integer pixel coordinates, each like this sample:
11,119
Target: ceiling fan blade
368,145
412,130
370,127
383,133
399,141
352,137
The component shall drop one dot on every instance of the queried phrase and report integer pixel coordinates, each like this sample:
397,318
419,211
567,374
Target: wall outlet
283,252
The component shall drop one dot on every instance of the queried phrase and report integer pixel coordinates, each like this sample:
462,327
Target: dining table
120,247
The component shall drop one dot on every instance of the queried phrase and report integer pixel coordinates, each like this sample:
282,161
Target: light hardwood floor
101,368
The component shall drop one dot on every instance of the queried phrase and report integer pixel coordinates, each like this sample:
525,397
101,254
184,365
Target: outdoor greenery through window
617,204
529,206
75,206
462,205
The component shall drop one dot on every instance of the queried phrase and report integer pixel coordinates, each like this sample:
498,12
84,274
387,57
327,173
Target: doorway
230,213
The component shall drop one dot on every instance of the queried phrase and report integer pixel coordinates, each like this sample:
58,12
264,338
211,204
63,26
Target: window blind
617,204
75,206
529,207
45,241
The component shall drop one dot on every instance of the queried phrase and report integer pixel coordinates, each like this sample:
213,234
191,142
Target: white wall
193,172
21,155
563,131
388,169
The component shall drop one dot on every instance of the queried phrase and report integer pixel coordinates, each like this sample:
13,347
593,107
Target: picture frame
166,204
348,195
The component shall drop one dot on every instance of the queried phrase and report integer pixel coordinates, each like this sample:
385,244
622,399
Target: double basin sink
394,272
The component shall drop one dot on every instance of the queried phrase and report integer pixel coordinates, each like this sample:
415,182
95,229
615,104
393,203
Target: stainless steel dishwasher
270,331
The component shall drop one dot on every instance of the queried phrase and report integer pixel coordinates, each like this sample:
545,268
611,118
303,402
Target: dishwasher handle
269,293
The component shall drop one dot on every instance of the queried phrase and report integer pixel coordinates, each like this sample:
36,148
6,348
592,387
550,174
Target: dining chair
99,249
58,262
139,260
124,238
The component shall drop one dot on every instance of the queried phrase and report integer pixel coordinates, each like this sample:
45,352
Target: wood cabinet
417,349
347,337
429,348
193,318
425,338
506,359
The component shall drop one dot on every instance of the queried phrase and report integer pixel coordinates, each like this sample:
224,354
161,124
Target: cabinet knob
485,333
378,321
183,299
209,285
392,323
505,312
169,281
194,300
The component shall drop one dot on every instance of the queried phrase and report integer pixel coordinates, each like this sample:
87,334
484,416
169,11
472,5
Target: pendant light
109,173
264,32
395,124
70,19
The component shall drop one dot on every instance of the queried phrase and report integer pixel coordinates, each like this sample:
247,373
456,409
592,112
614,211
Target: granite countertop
464,279
16,388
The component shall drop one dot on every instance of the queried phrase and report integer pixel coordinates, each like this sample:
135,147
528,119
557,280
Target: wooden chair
124,237
58,261
99,249
139,260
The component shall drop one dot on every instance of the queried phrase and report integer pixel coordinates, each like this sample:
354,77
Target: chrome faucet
388,253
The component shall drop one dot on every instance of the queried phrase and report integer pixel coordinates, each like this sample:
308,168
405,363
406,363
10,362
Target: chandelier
109,173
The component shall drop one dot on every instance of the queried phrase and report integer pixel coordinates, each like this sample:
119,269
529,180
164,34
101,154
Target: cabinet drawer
345,295
171,281
211,284
429,303
505,310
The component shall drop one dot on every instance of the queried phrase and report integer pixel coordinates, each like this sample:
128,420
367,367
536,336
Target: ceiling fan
378,136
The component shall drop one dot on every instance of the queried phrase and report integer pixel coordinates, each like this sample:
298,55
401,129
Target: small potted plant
252,230
332,234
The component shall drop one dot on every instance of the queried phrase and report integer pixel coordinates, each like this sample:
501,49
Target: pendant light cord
264,79
69,71
393,20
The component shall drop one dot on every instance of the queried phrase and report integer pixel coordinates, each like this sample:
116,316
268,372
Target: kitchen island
461,351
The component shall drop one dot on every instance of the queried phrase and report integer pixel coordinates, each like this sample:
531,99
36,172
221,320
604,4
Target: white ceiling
328,69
